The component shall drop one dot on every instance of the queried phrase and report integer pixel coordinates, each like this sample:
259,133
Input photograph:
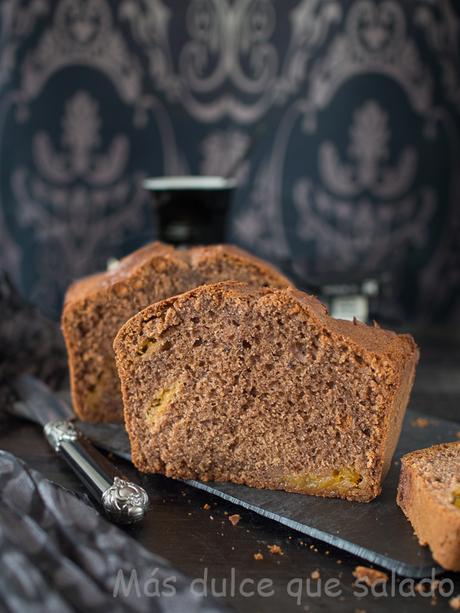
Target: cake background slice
429,495
97,306
260,386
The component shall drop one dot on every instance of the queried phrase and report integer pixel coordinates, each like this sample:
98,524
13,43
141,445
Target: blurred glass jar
191,210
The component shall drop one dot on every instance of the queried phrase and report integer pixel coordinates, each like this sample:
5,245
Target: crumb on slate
206,507
258,556
454,603
276,549
369,576
234,519
421,588
421,422
315,574
427,586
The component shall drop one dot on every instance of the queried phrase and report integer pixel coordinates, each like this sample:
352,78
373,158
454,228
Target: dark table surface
202,542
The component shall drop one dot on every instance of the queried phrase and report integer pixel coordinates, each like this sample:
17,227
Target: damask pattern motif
369,149
85,190
362,197
350,112
229,64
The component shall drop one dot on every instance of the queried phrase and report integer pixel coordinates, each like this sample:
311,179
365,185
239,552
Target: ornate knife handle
125,502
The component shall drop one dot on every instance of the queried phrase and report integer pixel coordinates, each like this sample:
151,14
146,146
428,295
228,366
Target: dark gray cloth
29,342
58,554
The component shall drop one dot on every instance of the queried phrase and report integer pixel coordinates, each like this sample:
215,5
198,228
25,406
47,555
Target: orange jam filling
339,480
160,403
148,347
456,498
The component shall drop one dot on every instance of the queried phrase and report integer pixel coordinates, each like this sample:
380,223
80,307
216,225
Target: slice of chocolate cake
97,306
260,386
429,495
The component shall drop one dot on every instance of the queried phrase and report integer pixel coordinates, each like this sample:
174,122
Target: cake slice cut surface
97,306
260,386
429,495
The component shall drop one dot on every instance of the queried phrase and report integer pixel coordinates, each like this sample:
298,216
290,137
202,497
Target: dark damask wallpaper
355,104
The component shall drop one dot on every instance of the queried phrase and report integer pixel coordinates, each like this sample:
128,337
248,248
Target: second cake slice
97,306
429,495
260,386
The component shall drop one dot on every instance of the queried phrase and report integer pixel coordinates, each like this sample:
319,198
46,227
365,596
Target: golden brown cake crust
95,308
335,385
428,488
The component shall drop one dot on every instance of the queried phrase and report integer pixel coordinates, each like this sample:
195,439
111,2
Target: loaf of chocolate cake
260,386
97,306
429,495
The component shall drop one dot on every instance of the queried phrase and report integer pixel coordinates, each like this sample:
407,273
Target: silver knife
123,501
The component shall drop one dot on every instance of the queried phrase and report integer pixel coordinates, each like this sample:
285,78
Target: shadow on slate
377,531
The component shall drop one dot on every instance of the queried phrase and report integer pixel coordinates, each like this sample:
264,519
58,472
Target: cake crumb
421,422
211,517
234,519
421,588
427,586
315,574
258,556
275,549
206,507
369,576
454,603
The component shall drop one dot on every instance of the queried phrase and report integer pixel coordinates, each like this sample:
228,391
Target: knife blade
122,500
38,402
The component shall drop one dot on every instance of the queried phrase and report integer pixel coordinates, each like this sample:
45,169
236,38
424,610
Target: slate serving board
377,531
